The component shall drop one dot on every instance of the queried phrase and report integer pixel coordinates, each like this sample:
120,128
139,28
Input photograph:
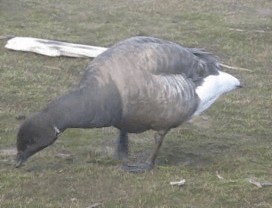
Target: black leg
121,152
159,136
149,164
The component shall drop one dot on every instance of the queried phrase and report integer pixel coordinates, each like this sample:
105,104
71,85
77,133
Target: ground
232,139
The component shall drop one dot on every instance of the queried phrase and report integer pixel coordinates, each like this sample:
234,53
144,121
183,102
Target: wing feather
158,56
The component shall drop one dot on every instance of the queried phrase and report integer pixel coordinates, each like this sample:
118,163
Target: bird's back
155,78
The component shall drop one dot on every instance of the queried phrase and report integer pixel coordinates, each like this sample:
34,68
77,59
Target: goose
139,84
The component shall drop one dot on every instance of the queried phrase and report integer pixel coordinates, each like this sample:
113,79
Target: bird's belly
155,102
145,115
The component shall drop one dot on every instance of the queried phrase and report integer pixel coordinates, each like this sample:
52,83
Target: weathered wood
53,48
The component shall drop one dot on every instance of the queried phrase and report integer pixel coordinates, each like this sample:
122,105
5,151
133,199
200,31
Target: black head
34,135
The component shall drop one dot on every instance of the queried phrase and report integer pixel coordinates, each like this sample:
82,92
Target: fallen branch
178,183
235,68
95,205
223,179
259,184
254,31
52,67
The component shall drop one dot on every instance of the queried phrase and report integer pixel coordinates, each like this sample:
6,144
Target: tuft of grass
233,138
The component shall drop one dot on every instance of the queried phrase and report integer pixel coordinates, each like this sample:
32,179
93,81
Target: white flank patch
212,87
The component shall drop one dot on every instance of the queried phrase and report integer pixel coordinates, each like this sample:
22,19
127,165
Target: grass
233,138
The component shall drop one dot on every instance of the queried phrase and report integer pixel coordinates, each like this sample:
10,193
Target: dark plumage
139,84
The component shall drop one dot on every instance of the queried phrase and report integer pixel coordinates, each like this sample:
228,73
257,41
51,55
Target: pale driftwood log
53,48
57,48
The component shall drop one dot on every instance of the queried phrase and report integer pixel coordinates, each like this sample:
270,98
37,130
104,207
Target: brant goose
139,84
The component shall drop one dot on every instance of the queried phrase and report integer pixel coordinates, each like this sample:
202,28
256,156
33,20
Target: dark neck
84,108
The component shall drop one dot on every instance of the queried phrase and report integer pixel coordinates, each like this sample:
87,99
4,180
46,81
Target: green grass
233,138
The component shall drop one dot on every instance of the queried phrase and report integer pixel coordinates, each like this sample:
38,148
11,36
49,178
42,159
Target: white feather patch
212,87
